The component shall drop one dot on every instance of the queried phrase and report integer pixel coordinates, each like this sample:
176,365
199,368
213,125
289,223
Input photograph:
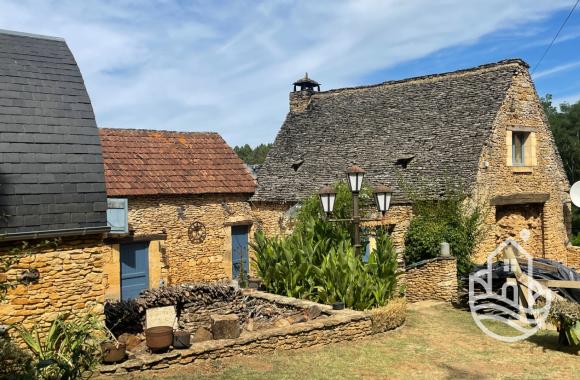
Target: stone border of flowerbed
335,326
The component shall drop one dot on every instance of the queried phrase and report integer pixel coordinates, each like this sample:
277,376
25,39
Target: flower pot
338,306
181,339
113,352
159,338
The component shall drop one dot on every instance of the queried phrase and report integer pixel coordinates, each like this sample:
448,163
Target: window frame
524,138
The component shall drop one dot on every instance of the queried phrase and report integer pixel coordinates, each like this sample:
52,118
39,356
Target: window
521,149
519,140
117,215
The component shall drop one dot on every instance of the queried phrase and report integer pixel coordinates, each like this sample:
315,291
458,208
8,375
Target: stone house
186,196
483,128
51,182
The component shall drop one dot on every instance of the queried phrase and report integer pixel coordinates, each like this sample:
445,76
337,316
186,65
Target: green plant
566,315
15,363
69,350
452,219
317,262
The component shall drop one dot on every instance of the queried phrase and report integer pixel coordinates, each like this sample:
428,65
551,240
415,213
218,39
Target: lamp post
355,175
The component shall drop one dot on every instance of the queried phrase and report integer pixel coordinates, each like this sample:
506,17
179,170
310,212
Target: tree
565,125
255,156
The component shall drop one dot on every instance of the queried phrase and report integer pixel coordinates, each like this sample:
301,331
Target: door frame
147,266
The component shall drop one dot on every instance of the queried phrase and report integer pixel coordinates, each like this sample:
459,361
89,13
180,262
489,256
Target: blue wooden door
239,250
134,269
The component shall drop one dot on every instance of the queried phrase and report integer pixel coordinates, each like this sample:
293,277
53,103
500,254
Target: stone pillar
299,100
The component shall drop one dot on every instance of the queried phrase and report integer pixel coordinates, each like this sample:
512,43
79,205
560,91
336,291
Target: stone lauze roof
437,125
51,171
147,162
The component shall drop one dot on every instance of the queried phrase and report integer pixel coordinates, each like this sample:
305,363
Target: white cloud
229,67
556,69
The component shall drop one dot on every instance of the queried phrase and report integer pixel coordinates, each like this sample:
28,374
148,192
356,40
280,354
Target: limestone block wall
71,280
434,279
521,109
271,217
188,261
334,326
574,257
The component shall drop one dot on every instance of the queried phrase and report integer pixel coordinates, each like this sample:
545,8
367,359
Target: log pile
187,295
195,303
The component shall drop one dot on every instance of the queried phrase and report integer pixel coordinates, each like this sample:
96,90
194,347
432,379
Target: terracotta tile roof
148,162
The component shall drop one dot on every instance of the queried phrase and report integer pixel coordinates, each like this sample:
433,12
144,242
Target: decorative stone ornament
355,175
196,232
327,198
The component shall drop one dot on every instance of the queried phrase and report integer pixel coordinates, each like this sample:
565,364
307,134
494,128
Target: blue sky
227,66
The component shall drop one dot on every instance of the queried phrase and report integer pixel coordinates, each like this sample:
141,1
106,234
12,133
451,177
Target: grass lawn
437,342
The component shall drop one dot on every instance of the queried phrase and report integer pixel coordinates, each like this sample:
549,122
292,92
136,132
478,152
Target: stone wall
434,279
187,261
335,326
521,109
71,280
574,257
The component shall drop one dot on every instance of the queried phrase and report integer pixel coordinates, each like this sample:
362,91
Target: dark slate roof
421,132
51,169
149,162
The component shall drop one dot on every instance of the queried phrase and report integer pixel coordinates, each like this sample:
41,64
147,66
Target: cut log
225,326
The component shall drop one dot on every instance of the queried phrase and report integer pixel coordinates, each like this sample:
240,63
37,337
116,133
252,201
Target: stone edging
335,326
423,262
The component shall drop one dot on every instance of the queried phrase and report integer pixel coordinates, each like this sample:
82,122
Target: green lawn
437,342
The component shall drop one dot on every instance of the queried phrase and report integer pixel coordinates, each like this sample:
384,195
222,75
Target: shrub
451,219
317,262
566,315
69,350
15,363
390,316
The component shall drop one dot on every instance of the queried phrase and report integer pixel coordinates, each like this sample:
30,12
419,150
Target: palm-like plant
69,350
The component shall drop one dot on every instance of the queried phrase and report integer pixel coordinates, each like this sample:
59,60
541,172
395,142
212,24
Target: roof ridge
31,35
160,131
486,66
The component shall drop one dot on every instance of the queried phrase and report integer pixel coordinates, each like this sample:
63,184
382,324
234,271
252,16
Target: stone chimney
303,90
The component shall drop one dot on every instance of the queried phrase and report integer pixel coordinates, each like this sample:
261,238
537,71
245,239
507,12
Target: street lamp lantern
355,175
327,198
383,196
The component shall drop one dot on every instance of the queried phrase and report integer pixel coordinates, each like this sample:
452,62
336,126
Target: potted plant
113,350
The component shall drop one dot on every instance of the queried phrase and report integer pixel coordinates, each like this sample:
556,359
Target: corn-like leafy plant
318,262
69,350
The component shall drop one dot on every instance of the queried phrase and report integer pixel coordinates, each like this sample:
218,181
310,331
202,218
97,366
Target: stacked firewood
187,295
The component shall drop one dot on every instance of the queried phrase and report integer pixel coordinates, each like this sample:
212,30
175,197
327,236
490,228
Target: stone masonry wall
434,279
522,109
186,261
71,280
335,326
